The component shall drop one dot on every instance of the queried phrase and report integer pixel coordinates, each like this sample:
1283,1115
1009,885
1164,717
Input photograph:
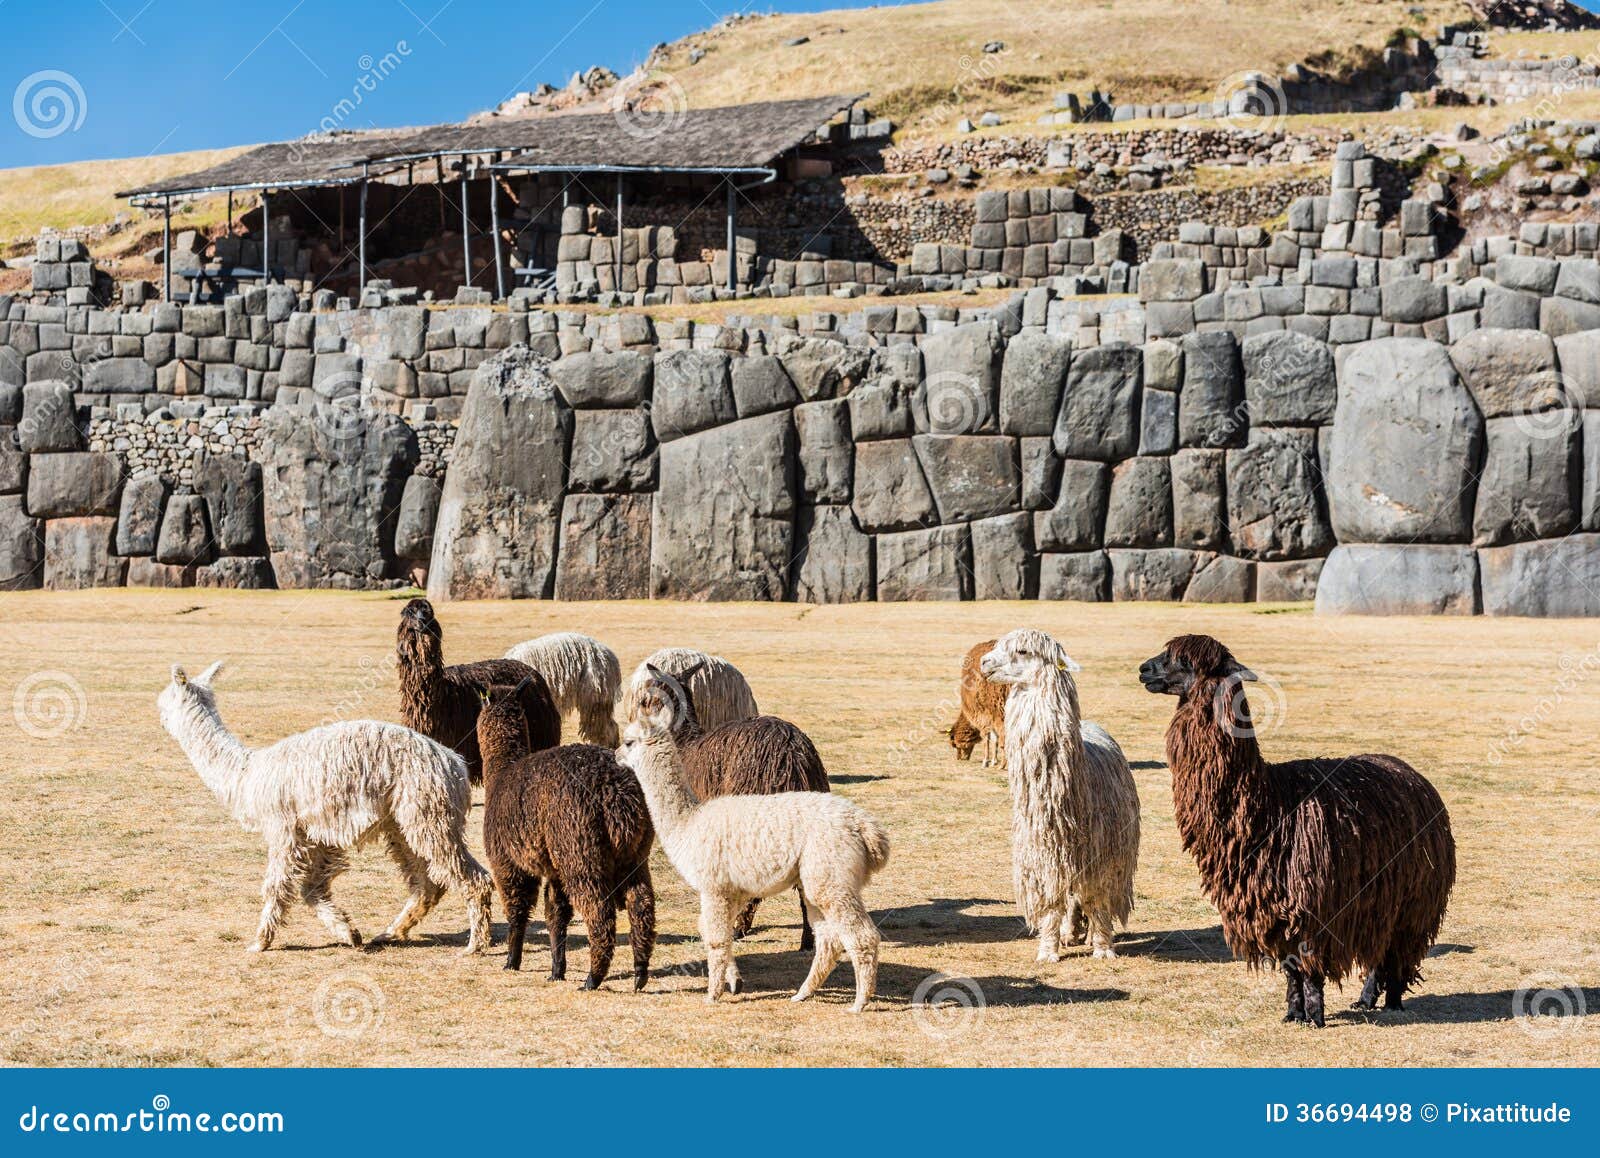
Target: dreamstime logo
348,1005
1550,406
1254,103
649,104
947,1007
1546,1006
1262,709
48,103
49,704
957,403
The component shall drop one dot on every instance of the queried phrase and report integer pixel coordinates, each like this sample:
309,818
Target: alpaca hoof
800,996
256,947
561,976
1363,1006
592,982
353,939
735,984
808,943
1394,1005
1293,1017
512,966
858,1007
1106,954
1045,958
641,978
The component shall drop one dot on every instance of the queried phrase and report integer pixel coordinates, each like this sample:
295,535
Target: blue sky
163,76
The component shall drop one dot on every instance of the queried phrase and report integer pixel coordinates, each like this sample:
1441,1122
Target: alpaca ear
206,678
179,676
653,670
1067,663
1235,668
689,673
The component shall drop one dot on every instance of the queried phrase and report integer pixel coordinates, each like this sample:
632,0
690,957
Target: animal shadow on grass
1146,765
1477,1008
1205,944
945,919
850,778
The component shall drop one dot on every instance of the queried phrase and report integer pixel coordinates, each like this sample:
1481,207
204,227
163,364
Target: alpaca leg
1313,992
277,893
1394,982
600,922
316,890
557,916
641,899
1294,993
717,916
424,893
449,864
1050,936
807,940
1075,926
828,951
988,748
518,891
746,921
1369,990
860,937
1103,932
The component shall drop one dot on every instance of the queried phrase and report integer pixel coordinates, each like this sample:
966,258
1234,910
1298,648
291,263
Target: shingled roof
734,137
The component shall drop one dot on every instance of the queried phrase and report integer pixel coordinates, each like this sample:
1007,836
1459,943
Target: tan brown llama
983,710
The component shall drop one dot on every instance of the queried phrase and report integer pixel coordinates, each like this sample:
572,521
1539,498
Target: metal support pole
361,224
166,249
566,186
266,240
466,226
230,212
733,239
494,228
619,233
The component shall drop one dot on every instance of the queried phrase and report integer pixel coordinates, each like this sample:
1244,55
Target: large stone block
880,408
833,558
1289,581
73,484
21,546
1579,355
1399,579
1406,444
971,476
612,451
761,385
185,538
1551,577
49,418
119,376
723,525
605,547
139,520
933,564
1160,575
1172,280
1509,371
1531,484
693,392
232,488
891,492
1099,416
78,554
235,572
496,534
827,457
419,511
1077,520
1211,407
1139,510
600,379
1275,496
1289,379
1220,579
1041,474
1082,576
1199,494
822,368
1002,557
961,371
1031,382
13,463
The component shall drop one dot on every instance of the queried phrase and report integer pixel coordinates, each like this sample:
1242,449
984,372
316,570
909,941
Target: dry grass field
127,896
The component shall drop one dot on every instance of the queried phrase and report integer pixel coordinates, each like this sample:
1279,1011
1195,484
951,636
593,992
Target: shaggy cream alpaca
317,795
720,692
584,677
1074,806
734,849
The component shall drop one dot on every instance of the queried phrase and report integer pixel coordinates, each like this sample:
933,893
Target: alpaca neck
421,666
1218,773
217,755
1045,710
670,803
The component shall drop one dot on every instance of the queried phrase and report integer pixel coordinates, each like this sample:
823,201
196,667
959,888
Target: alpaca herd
1316,866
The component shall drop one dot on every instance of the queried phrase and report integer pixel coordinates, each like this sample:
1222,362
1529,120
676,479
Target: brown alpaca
1319,865
983,711
575,819
442,702
759,757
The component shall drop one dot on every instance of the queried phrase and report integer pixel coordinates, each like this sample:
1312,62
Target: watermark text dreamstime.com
158,1118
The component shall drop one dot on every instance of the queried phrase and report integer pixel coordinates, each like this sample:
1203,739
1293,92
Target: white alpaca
734,849
584,678
317,795
1074,806
720,692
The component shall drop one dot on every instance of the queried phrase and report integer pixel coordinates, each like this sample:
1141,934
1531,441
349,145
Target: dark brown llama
1318,865
442,702
757,757
574,819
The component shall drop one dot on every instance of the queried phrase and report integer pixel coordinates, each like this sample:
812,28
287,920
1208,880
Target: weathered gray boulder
1509,371
1199,508
1139,510
1158,422
21,546
612,451
1099,416
1579,355
961,371
761,385
827,457
1289,379
1172,280
1551,577
1399,579
1407,440
74,483
1031,381
1289,581
934,564
1531,486
144,571
723,525
1589,502
833,562
498,515
1161,575
185,538
605,547
13,462
881,407
232,487
78,554
237,572
823,368
1077,520
1082,576
139,519
891,493
1041,474
1220,579
332,482
693,392
604,379
419,511
1002,553
1211,410
1561,316
49,418
1413,300
1508,309
1275,496
1163,365
119,376
972,476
